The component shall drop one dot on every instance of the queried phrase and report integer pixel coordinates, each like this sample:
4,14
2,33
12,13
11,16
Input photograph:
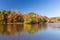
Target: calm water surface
29,32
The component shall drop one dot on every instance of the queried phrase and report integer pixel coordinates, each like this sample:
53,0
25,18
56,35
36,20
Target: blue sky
48,8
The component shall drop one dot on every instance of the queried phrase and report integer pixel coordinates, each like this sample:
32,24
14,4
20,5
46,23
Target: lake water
29,32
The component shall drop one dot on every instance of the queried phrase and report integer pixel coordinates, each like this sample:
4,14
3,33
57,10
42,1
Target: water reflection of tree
11,28
1,28
4,29
34,27
44,25
18,28
30,28
7,29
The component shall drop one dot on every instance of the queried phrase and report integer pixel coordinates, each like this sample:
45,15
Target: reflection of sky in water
44,34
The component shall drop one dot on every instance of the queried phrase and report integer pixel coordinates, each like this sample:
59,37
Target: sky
48,8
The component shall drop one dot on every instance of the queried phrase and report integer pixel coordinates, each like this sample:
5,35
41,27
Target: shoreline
25,23
53,23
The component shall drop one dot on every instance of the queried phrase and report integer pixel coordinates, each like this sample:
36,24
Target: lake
30,32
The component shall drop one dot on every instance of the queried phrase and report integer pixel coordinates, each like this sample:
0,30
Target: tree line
17,17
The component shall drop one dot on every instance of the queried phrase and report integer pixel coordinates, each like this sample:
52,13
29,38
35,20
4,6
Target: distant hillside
55,19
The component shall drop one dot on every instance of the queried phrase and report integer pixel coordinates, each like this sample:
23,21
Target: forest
17,17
